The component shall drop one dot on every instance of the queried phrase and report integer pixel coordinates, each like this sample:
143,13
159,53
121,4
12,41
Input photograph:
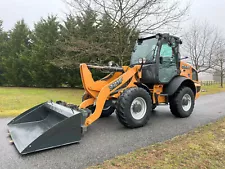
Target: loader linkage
50,124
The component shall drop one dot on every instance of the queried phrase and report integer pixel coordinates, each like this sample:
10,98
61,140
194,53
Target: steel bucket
46,126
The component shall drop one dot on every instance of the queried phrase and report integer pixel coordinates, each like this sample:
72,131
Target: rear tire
108,109
134,107
154,107
182,103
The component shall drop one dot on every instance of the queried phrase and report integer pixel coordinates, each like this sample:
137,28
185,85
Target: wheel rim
186,102
138,108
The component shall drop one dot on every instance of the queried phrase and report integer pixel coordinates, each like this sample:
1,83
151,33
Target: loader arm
101,90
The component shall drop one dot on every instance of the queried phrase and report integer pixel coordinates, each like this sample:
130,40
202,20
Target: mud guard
176,82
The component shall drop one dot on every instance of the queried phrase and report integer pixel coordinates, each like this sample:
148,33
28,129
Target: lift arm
101,90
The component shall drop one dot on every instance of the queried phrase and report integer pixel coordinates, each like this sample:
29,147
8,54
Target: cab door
168,67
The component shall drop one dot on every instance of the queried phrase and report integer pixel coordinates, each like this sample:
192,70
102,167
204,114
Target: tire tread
125,99
174,103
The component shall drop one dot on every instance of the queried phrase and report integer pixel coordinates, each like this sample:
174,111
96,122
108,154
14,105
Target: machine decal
115,84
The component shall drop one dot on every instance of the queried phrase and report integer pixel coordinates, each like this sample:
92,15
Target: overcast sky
31,10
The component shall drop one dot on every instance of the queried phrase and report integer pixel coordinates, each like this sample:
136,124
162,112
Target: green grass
202,148
14,101
212,89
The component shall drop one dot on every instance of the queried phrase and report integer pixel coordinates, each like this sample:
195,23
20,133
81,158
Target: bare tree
146,16
201,43
219,62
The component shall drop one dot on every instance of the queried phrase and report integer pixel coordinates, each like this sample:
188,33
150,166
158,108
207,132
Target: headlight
142,60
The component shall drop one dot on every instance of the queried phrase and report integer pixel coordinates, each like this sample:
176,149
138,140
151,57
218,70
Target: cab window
166,51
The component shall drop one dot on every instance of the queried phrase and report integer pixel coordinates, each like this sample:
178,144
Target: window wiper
152,59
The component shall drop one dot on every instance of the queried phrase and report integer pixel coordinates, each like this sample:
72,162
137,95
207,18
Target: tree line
93,32
50,54
98,31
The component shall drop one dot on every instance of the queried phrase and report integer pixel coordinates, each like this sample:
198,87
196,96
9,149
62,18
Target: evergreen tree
92,39
44,39
78,36
16,63
3,51
80,40
50,55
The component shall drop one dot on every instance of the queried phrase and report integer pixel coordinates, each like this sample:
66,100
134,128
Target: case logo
115,84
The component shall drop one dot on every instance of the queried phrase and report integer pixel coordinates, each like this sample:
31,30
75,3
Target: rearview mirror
186,57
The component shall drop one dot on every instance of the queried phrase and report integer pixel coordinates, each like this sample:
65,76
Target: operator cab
159,56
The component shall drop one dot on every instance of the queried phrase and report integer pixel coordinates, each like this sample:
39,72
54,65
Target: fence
209,83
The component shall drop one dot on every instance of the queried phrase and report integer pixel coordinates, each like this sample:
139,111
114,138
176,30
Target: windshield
145,49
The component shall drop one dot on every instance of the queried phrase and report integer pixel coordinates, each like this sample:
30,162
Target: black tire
176,103
123,108
85,96
108,109
154,107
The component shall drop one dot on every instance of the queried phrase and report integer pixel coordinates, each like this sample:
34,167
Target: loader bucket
46,126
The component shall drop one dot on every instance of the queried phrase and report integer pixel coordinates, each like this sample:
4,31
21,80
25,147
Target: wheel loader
157,75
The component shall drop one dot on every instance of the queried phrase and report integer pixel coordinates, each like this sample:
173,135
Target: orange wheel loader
156,76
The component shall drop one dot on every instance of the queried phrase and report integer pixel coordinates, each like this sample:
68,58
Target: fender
176,82
139,84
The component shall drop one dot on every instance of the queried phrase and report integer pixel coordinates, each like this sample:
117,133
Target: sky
32,10
211,10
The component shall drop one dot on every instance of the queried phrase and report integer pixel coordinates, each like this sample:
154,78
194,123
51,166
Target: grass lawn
14,101
212,89
202,148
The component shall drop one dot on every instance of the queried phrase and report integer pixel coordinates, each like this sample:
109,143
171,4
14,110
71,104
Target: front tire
134,107
182,103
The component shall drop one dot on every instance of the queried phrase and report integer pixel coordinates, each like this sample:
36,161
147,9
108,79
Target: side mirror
184,58
160,59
